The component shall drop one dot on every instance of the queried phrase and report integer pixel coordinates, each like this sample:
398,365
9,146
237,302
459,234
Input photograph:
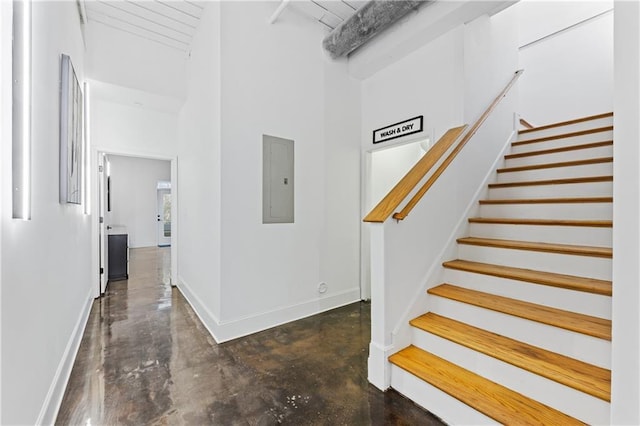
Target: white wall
5,134
625,377
416,30
45,261
242,275
134,183
340,242
122,59
569,74
199,173
286,98
125,128
428,82
490,60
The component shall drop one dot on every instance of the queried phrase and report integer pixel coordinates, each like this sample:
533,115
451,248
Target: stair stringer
402,332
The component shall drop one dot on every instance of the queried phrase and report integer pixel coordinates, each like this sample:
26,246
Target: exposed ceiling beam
368,21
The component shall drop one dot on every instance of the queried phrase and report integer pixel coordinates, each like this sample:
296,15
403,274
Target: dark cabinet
118,257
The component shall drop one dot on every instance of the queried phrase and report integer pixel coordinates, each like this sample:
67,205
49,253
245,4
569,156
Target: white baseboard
208,319
223,331
53,400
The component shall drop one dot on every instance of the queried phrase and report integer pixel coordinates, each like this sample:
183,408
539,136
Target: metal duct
368,21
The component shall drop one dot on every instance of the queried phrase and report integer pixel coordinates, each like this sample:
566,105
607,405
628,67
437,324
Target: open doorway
384,167
163,207
135,208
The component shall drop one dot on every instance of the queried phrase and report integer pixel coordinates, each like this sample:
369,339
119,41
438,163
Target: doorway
136,207
164,213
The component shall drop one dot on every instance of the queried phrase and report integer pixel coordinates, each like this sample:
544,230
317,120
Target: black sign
403,128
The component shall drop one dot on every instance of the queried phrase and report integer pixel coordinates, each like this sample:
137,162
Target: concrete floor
145,358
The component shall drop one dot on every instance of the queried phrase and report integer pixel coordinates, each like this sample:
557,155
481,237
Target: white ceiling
173,23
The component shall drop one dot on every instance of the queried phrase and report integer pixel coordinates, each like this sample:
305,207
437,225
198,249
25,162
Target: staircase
519,331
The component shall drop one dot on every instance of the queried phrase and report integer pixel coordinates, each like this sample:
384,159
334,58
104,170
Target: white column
379,348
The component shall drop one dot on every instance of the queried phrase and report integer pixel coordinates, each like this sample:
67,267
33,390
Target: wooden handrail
526,124
392,200
443,166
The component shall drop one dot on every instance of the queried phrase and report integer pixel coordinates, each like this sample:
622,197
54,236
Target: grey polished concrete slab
145,358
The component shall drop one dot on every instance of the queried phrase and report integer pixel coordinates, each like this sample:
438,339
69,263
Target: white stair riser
578,235
569,300
579,154
600,169
577,404
561,142
575,345
583,125
446,407
590,189
601,211
583,266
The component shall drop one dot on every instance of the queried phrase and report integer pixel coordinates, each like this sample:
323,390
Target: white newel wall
406,256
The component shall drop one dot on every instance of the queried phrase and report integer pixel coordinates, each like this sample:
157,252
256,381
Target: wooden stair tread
563,135
544,222
580,323
568,122
556,165
588,179
605,252
485,396
558,150
579,375
566,200
570,282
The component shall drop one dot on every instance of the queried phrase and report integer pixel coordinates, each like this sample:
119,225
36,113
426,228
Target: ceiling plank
185,7
176,9
133,8
114,12
157,8
135,30
336,8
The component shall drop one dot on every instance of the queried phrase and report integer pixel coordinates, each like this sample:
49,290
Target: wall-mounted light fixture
21,112
85,153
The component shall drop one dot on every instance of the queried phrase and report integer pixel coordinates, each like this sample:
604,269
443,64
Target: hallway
145,358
